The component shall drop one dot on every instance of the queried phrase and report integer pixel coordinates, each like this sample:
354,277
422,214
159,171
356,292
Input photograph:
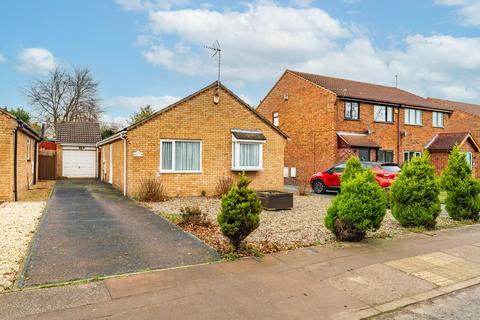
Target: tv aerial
215,48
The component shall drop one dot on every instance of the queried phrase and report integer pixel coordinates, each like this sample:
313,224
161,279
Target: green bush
354,166
240,213
361,205
462,202
414,194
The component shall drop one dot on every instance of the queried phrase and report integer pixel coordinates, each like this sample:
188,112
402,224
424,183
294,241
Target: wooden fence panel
47,167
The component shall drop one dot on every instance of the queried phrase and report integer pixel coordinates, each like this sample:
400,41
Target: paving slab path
89,229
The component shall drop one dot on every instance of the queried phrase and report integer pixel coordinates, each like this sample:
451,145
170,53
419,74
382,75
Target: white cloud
468,10
134,103
266,38
2,59
36,61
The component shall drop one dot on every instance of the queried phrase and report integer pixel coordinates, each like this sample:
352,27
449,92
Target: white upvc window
247,155
180,156
29,149
413,117
469,158
382,113
409,155
437,119
276,119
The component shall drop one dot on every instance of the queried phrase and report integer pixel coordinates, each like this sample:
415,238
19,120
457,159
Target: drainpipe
122,136
399,141
15,147
35,163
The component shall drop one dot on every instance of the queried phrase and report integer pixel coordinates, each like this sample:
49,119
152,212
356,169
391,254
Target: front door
364,154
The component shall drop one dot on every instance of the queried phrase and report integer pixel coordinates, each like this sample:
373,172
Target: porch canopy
356,140
444,142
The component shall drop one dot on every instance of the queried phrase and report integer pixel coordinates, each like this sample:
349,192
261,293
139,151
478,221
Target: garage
76,149
79,163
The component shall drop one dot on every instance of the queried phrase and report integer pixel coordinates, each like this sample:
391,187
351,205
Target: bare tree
64,96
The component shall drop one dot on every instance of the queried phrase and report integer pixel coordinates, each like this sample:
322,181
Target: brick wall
308,117
198,119
118,160
7,127
440,159
24,166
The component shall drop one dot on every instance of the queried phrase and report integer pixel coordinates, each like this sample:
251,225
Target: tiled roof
358,140
462,106
78,132
446,141
370,92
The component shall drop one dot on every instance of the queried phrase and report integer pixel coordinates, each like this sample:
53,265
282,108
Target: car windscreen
390,168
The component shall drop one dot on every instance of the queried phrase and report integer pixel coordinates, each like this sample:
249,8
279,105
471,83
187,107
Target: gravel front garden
279,230
18,222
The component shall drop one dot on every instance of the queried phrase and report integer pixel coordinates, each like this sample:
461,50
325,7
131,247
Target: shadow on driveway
89,229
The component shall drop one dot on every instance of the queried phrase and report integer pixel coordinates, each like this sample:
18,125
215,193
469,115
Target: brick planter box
276,200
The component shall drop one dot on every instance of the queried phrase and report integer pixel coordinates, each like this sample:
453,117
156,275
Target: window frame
470,163
29,149
345,111
407,117
385,151
415,154
276,116
173,170
435,117
236,154
386,114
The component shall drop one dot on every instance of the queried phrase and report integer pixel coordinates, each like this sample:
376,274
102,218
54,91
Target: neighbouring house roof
368,92
193,95
357,140
24,127
78,132
461,106
444,142
248,135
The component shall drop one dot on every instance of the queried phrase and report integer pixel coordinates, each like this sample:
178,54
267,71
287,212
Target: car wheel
319,187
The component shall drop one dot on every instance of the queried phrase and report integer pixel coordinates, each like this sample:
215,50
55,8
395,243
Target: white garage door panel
79,163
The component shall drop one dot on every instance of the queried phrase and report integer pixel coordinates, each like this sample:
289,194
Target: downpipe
122,136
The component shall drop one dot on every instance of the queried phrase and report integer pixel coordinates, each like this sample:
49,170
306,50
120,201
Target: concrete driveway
89,229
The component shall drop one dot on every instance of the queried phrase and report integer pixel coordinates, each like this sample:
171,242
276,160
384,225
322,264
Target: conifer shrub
240,212
360,207
462,202
414,194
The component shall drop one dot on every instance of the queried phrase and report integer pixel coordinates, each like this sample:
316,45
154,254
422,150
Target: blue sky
151,51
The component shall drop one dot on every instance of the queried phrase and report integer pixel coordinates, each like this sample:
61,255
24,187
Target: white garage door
79,163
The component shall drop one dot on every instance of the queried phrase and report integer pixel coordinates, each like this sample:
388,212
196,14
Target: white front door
111,165
79,163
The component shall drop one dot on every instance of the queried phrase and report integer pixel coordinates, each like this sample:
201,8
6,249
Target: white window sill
178,171
247,169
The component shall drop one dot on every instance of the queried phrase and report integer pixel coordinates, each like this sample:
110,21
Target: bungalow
330,119
193,143
18,150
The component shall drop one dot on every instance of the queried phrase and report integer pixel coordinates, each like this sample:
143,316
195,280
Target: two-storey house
329,119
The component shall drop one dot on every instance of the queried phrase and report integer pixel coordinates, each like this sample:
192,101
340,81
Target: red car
385,173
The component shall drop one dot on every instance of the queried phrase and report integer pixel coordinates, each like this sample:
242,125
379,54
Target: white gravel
18,221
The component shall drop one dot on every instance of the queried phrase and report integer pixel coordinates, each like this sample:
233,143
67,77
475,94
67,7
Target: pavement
463,304
89,229
326,282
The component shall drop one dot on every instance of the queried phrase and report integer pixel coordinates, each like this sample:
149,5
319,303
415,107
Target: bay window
180,156
247,150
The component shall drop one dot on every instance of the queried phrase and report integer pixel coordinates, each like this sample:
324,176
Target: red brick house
442,143
329,119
